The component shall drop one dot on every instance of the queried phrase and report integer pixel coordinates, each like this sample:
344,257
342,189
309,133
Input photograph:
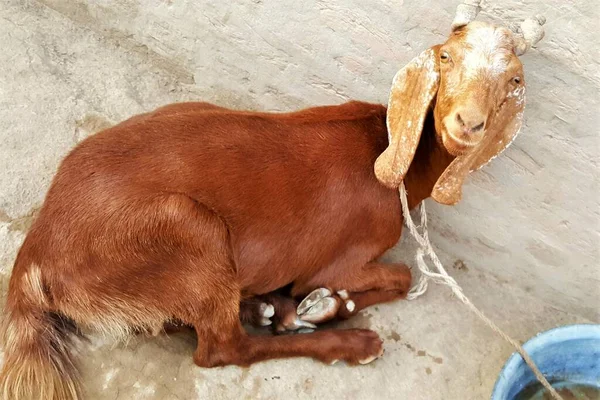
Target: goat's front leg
342,294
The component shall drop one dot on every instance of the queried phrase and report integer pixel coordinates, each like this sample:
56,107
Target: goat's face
475,83
478,71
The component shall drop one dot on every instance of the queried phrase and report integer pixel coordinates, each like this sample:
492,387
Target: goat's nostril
477,128
469,122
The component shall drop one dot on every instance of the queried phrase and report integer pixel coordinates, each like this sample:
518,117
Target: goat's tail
36,342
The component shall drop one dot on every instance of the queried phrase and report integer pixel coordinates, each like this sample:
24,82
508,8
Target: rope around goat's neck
442,277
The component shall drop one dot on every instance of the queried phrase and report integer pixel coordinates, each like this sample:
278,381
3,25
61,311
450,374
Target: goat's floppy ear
504,127
413,89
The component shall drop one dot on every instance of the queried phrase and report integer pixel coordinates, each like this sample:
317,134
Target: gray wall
530,219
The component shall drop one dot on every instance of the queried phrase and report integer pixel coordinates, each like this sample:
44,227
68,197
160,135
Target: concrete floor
69,68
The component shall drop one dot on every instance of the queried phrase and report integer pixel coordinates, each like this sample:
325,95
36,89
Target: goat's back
292,187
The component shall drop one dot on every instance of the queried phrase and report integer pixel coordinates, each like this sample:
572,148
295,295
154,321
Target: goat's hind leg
222,339
224,342
198,286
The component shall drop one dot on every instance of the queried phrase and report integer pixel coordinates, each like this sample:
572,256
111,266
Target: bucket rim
551,336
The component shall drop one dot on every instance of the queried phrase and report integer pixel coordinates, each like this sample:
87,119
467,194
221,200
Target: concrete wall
529,220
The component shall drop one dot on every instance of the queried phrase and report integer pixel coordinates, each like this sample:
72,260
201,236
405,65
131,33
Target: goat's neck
430,161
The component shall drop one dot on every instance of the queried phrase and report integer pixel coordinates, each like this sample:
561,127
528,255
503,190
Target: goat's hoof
322,311
369,360
266,311
358,346
293,323
312,299
350,305
321,305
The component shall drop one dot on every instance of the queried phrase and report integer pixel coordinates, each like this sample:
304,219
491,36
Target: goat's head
475,84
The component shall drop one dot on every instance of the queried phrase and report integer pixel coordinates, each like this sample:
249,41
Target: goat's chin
455,145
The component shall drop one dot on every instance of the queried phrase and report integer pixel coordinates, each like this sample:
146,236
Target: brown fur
180,215
183,214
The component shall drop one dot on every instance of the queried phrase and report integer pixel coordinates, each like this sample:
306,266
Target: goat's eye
517,80
444,57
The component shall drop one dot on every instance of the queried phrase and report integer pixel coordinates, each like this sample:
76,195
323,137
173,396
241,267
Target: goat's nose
470,123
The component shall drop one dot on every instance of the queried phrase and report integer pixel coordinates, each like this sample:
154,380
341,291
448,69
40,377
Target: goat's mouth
457,143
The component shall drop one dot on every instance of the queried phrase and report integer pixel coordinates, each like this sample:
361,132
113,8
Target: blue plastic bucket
567,355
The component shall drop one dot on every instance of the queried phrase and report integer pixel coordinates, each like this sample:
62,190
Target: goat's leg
344,294
370,276
256,311
222,340
232,346
342,305
207,296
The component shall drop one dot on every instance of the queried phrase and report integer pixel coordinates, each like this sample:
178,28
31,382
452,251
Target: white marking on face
519,93
487,51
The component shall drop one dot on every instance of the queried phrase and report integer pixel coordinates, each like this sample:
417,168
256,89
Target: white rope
442,277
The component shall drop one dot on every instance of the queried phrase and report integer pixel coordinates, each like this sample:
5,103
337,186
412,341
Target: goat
196,214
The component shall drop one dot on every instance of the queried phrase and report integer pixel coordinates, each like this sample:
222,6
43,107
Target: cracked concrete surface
524,242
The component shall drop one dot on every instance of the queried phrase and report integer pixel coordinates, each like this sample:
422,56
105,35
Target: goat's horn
529,33
465,13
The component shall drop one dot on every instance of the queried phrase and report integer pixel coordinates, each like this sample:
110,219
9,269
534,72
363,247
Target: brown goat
191,211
